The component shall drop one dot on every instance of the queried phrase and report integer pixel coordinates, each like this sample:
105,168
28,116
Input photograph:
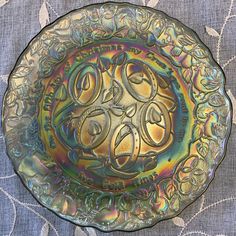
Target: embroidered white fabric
214,213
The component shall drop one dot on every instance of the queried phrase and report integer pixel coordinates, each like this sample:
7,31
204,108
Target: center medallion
109,113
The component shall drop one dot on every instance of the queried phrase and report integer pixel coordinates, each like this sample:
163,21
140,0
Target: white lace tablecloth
214,213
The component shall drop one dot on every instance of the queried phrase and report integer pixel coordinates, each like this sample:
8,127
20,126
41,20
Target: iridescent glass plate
116,116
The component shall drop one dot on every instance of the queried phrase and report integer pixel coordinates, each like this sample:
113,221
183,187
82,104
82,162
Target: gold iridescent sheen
110,117
116,116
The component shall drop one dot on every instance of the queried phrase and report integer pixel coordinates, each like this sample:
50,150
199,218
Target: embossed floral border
196,131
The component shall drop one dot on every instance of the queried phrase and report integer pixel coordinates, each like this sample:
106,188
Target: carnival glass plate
116,116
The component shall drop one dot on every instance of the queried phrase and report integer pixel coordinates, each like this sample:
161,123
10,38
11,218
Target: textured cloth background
212,214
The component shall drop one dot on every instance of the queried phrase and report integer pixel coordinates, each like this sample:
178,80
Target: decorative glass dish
116,116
